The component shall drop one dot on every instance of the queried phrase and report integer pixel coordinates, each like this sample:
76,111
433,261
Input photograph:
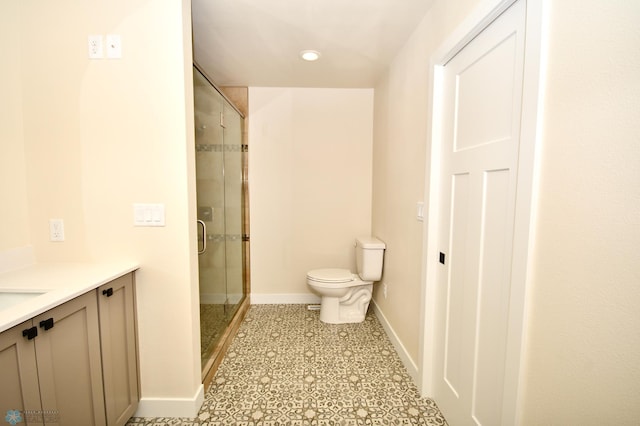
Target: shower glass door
218,138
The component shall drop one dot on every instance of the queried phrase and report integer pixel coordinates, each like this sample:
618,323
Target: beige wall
310,183
14,228
584,332
100,135
582,353
399,158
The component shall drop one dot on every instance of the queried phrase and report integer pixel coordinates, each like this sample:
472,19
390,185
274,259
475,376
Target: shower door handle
204,236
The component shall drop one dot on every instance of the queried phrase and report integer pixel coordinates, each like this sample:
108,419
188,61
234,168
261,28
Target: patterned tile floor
285,367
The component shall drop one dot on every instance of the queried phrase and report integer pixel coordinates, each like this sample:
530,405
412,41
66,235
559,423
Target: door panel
219,190
119,349
69,363
19,390
455,295
210,191
233,153
481,83
482,100
493,298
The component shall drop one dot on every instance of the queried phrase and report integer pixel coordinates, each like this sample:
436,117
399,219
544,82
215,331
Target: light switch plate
420,211
148,214
114,46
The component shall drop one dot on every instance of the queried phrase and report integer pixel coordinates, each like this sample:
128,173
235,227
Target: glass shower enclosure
219,185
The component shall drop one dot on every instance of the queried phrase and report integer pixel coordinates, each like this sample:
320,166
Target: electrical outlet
56,230
95,47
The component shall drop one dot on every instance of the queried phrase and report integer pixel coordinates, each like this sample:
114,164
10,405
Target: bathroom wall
583,351
14,228
53,65
99,135
399,158
582,346
310,185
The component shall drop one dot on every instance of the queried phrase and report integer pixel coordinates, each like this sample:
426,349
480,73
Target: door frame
528,165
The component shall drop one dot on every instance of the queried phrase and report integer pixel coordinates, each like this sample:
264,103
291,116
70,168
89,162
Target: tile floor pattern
285,367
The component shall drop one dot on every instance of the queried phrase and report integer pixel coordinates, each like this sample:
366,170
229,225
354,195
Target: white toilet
345,296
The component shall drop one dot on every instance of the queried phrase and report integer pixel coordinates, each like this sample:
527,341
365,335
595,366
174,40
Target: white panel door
482,94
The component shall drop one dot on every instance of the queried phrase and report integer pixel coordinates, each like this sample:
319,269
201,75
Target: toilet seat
331,276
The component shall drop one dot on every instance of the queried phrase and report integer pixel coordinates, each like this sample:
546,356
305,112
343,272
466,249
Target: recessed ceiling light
310,55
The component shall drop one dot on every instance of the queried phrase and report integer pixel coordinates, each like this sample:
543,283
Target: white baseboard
284,299
409,364
171,407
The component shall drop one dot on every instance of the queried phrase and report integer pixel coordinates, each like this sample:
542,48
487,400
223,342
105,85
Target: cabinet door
69,366
18,374
119,350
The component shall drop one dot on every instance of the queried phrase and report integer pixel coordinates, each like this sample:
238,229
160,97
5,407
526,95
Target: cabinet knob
46,324
108,292
30,333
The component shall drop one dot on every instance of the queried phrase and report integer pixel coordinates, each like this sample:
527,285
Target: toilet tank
369,258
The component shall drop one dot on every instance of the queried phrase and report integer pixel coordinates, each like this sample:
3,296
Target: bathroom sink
11,298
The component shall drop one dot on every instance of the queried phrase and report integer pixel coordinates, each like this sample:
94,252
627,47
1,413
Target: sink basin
11,298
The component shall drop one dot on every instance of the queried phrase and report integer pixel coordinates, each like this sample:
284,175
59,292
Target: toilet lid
330,275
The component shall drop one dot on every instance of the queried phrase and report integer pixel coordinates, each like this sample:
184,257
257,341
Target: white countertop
59,283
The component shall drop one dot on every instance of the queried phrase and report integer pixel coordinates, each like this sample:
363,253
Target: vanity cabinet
54,361
116,306
75,364
19,390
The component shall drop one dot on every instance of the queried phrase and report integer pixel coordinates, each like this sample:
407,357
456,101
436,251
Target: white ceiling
257,42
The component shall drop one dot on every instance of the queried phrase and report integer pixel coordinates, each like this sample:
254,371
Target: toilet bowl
345,296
